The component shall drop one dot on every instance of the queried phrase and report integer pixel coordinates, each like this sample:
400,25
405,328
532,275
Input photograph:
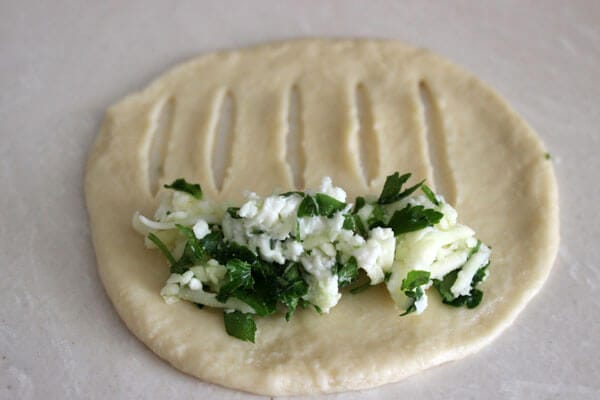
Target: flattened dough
491,162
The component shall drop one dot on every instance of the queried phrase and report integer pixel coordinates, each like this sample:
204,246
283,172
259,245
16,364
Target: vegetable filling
299,249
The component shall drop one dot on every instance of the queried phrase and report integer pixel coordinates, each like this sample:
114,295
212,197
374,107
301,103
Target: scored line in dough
433,128
160,130
363,135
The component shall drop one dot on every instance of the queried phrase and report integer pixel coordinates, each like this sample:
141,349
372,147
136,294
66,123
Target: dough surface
487,161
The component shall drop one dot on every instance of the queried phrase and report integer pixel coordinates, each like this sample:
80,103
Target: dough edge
268,381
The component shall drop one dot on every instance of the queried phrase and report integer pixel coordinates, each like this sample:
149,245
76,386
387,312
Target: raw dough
492,164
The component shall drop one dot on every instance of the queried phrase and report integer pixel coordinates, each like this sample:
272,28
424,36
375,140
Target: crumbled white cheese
377,255
333,191
201,229
462,285
269,251
249,209
211,274
292,250
170,289
323,284
174,278
195,284
186,277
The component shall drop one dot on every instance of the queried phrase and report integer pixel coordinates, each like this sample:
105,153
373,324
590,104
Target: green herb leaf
354,223
479,275
391,188
308,207
347,272
349,222
430,195
358,204
186,260
292,287
193,252
238,276
240,271
259,300
412,218
475,249
414,279
319,204
411,309
291,296
377,217
475,298
195,247
327,205
409,191
443,286
231,250
233,212
360,226
387,276
415,294
262,297
292,272
162,247
240,325
471,300
211,244
181,185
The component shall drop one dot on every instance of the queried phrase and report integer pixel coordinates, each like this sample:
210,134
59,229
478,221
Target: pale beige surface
63,63
362,343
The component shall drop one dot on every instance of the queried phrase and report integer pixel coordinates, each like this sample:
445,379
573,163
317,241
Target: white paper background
62,63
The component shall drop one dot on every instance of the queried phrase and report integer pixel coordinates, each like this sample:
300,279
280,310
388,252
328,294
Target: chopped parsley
359,203
414,279
412,218
182,185
377,217
415,294
233,212
430,195
240,325
412,286
308,207
238,276
349,222
392,188
162,247
319,204
347,272
328,205
471,300
292,288
386,276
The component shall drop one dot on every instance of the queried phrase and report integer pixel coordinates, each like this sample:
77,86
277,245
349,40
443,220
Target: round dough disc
382,104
